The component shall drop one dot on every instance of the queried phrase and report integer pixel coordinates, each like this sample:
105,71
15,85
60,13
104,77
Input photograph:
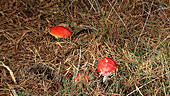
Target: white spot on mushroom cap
108,73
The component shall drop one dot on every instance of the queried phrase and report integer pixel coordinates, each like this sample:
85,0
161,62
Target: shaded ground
134,33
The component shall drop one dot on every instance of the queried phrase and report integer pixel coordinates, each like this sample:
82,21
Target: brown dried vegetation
134,33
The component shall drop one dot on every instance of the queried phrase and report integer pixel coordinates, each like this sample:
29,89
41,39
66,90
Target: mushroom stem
104,78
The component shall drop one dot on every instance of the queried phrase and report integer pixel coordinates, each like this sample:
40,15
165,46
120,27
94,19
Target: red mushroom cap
106,66
60,32
80,76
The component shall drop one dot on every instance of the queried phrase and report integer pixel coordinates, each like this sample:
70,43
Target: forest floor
134,33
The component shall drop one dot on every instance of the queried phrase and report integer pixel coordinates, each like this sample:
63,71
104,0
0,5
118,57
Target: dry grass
134,33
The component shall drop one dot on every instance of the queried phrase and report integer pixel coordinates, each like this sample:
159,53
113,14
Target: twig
137,88
142,86
13,92
78,65
117,14
11,73
92,7
143,28
164,89
79,61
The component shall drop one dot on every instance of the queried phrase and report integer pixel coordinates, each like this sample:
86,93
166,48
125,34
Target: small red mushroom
80,76
60,32
106,67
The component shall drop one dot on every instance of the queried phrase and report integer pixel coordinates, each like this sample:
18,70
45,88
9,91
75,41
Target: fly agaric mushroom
80,76
60,32
106,67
